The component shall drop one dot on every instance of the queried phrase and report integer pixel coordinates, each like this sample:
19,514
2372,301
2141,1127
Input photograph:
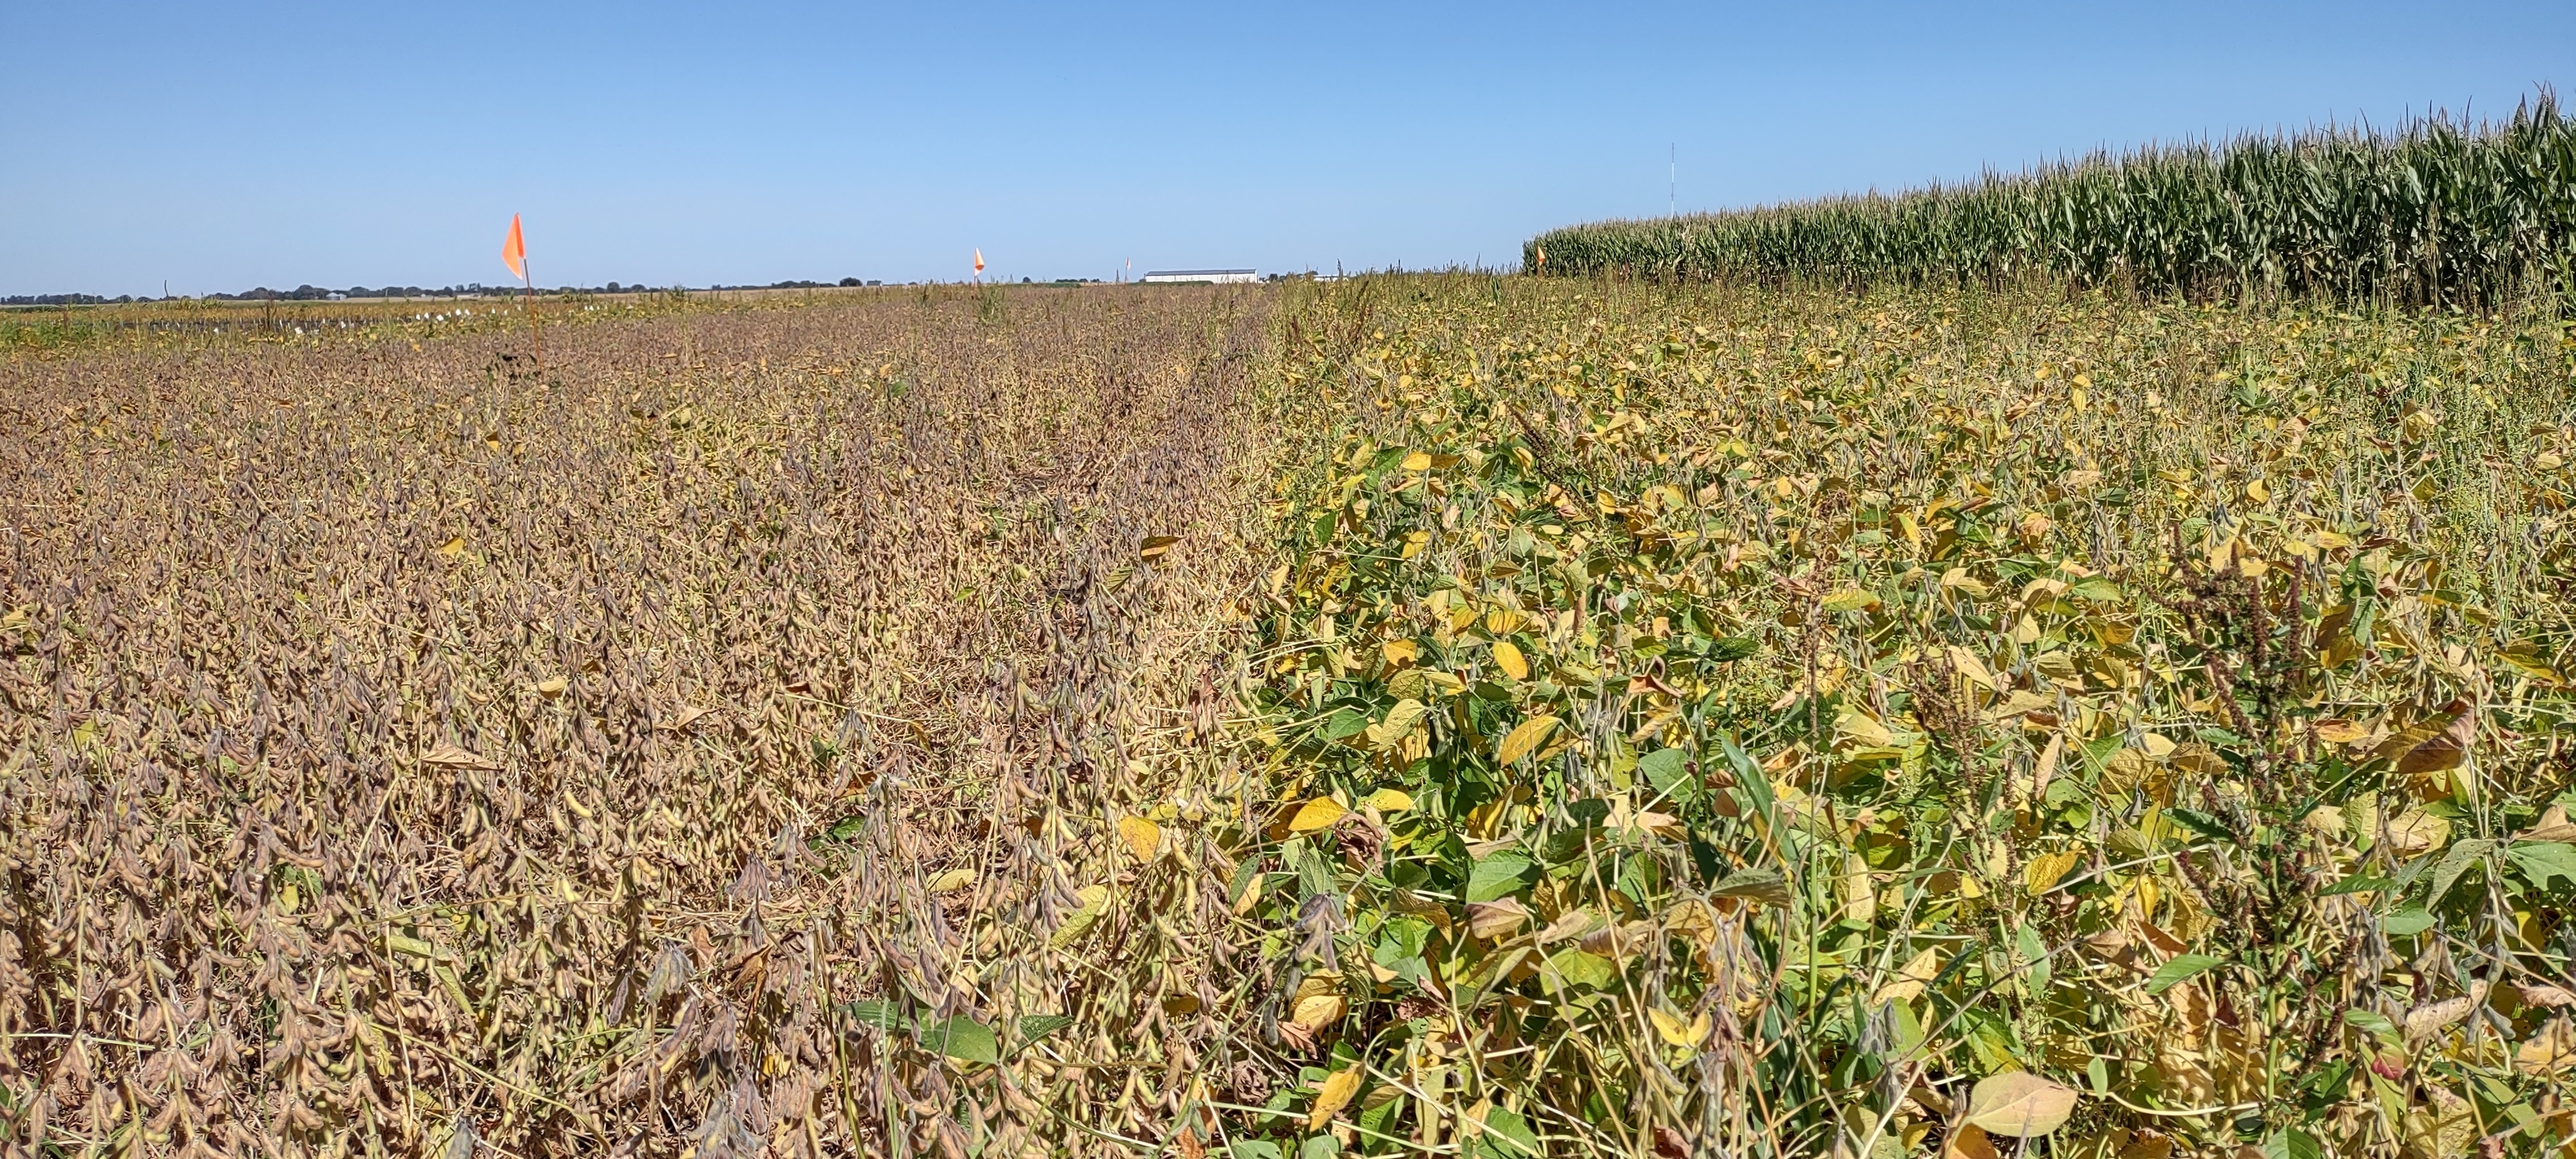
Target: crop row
2439,211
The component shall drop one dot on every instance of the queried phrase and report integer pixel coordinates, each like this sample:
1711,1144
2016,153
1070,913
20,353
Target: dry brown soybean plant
402,754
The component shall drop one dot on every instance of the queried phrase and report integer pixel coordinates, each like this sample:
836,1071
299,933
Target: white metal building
1199,276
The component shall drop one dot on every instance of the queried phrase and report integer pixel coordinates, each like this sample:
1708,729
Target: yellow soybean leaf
1319,982
452,548
1143,837
1524,738
1860,890
1850,600
2048,758
2044,870
1318,1013
1341,1084
1911,978
1401,719
1674,1031
1507,657
952,880
2019,1104
1388,800
1969,666
1970,1142
1400,651
1859,725
1418,461
1095,901
1155,546
1319,813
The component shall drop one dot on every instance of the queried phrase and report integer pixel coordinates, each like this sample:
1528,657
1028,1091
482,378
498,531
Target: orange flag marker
979,260
514,250
514,254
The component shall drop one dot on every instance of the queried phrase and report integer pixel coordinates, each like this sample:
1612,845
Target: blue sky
221,146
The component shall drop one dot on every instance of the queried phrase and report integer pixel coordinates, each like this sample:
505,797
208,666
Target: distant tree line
798,285
309,293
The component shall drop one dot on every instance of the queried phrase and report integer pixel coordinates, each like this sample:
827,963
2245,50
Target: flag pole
527,306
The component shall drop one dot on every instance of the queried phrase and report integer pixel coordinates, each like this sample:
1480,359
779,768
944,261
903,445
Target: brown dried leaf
2550,1051
2552,826
453,756
2546,996
1497,918
2436,744
2433,1017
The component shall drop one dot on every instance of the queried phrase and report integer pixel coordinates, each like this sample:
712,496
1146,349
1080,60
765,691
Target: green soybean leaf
2411,920
2202,823
1728,649
2455,863
2293,1144
874,1012
1037,1026
2183,968
1762,885
2371,1022
963,1039
1578,968
2097,590
1750,781
2542,860
1668,770
1507,1136
1498,874
2035,954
